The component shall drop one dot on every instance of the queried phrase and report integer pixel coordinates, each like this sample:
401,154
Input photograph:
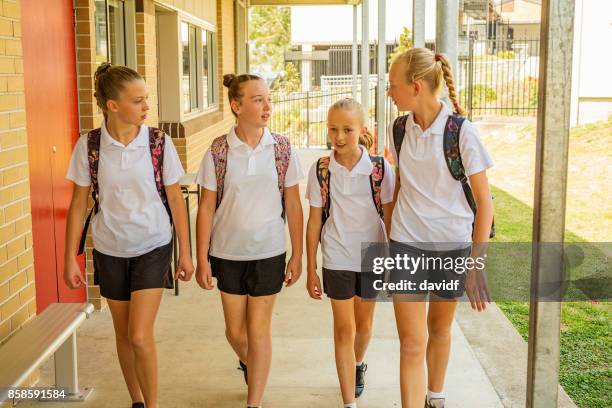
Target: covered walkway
198,368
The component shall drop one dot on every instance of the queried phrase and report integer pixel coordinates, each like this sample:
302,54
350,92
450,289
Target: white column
306,66
354,59
418,23
447,30
365,55
381,69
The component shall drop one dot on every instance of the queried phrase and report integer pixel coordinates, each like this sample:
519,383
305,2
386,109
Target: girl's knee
439,330
364,328
344,333
412,346
235,334
141,341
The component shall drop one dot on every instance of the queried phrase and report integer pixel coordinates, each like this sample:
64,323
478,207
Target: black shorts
261,277
119,277
343,285
434,274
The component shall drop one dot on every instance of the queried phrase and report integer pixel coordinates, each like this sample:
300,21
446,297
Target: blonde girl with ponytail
432,216
350,194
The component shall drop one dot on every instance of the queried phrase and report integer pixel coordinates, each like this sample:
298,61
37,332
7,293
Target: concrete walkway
198,368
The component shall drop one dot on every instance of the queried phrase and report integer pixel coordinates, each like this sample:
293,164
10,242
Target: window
190,68
114,32
208,68
186,66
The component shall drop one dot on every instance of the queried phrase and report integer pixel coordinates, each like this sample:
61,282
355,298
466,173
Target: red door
52,124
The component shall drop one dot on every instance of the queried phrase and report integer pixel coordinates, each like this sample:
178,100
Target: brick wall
17,287
146,54
90,115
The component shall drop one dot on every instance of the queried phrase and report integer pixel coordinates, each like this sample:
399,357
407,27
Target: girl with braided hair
441,182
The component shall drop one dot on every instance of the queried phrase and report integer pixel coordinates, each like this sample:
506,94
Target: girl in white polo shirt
134,171
349,191
249,181
433,217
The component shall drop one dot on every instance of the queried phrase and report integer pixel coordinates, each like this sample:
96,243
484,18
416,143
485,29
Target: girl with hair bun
443,210
351,195
134,171
249,180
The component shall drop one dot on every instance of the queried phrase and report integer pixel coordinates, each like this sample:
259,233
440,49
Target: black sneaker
360,379
138,405
434,403
243,368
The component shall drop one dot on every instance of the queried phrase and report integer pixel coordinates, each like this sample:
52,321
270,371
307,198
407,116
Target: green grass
586,341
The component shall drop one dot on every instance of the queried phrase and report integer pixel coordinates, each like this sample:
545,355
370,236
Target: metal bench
53,332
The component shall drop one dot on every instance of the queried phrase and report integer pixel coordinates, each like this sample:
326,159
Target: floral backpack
376,178
156,145
282,156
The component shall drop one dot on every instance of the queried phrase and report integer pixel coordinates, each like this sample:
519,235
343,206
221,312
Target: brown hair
424,64
366,139
109,80
234,85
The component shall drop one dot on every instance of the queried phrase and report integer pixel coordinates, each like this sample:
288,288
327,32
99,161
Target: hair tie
437,57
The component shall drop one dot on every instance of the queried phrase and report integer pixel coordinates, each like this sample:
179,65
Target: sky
325,24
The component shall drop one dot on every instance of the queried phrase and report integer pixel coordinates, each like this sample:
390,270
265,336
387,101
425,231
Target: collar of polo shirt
142,140
438,125
363,166
234,141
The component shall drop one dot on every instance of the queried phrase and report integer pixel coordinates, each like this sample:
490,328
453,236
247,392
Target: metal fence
500,77
302,116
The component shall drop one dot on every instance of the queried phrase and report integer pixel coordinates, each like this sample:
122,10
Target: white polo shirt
248,224
431,206
353,218
132,219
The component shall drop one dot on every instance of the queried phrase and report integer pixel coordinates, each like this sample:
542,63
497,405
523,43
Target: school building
49,51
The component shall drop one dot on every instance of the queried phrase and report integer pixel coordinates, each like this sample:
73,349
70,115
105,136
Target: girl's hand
477,289
204,275
294,270
313,285
185,268
72,274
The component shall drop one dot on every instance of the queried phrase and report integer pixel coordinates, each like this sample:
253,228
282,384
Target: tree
289,81
269,37
405,43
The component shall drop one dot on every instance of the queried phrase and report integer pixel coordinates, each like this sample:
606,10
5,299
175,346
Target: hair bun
104,67
228,79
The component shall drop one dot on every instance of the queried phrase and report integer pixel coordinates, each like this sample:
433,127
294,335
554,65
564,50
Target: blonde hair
366,139
233,83
109,80
432,68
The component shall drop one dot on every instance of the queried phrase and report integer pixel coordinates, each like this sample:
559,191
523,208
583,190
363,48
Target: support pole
380,88
549,201
365,55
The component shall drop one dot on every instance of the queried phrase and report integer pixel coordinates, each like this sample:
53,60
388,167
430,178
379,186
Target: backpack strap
323,176
376,179
218,149
157,143
399,131
93,157
282,157
452,155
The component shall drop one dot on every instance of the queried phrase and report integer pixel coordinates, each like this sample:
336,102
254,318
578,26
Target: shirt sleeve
313,190
387,189
474,155
78,169
172,168
295,173
206,174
